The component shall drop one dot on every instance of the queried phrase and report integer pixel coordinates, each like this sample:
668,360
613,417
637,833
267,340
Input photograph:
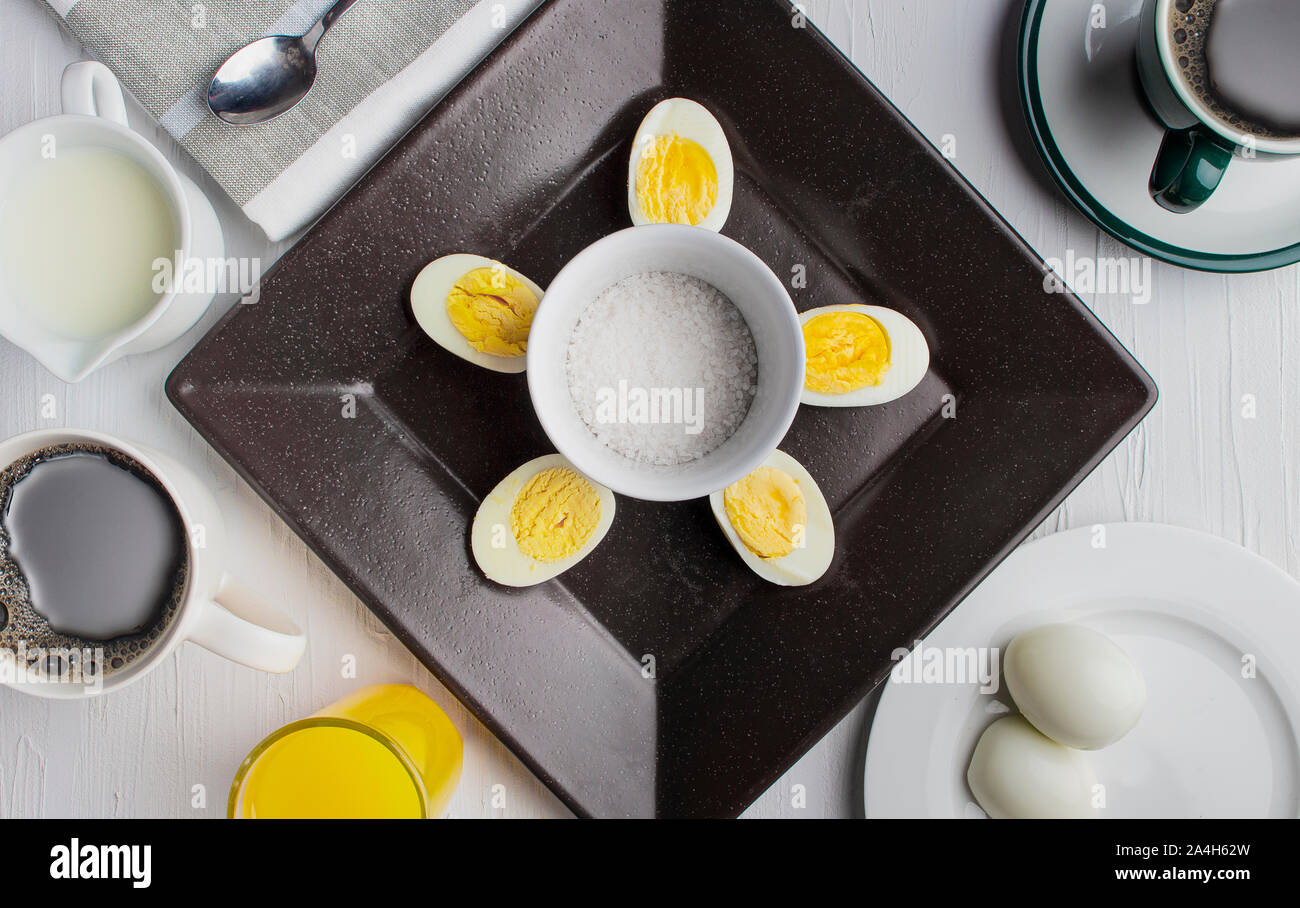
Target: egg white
909,359
805,564
507,564
429,304
1074,684
693,121
1018,773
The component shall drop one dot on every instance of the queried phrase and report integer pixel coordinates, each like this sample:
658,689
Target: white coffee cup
216,611
94,116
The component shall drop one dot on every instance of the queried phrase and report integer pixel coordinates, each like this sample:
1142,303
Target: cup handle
90,89
1188,168
238,625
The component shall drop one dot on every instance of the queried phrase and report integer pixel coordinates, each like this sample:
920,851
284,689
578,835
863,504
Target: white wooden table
1196,461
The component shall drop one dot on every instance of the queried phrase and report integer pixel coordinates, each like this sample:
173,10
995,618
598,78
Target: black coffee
1241,58
93,556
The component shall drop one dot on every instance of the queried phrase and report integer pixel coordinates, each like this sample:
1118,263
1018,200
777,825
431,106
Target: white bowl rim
686,487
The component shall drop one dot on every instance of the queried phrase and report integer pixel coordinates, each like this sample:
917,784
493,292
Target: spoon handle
332,15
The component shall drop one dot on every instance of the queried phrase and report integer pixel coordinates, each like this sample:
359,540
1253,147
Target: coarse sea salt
662,367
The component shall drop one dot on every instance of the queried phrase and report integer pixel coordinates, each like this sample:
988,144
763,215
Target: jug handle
89,88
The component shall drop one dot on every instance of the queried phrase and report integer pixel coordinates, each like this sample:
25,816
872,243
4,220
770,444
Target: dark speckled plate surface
526,161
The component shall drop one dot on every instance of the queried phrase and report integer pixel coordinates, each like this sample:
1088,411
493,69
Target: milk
78,240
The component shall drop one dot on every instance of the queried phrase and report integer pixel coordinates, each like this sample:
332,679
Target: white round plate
1090,121
1195,613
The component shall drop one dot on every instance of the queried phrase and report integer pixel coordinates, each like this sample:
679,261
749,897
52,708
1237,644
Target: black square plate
660,677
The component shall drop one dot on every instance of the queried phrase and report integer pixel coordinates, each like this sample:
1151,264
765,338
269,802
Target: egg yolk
676,181
493,309
554,514
768,512
845,351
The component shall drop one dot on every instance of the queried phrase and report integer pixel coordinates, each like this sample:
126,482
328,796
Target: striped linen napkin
380,69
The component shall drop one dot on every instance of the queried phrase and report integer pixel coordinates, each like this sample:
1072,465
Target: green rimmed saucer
1090,123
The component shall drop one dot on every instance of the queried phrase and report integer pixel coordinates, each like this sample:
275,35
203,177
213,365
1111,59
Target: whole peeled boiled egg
777,520
539,521
858,355
476,308
1074,684
681,170
1017,773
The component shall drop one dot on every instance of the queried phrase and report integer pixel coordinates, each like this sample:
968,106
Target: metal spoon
264,79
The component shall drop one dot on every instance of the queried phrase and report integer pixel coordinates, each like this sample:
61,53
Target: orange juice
386,751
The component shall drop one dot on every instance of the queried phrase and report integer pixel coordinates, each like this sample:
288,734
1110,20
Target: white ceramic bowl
711,257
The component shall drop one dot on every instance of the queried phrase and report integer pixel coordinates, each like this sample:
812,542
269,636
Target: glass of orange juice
386,751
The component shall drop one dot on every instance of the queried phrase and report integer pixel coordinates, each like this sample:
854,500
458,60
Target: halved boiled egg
681,171
539,521
777,520
858,355
476,308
